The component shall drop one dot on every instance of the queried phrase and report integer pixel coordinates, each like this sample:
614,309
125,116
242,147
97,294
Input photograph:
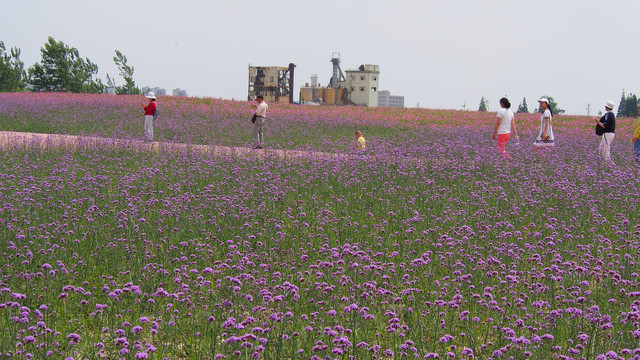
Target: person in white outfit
545,137
608,125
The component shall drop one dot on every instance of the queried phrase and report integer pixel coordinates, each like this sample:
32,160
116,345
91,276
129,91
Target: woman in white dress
545,137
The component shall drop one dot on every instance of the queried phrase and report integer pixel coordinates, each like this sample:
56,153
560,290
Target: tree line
523,108
628,106
62,69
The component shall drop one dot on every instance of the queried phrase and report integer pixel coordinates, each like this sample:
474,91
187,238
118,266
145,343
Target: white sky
440,54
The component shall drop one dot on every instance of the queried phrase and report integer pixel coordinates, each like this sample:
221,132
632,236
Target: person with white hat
545,137
607,125
150,109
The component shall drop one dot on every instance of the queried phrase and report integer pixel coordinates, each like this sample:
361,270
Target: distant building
386,99
110,90
179,92
317,94
156,90
274,83
362,85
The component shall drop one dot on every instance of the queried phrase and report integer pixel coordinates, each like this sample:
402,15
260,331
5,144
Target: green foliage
12,74
628,105
126,72
523,108
555,109
483,104
62,69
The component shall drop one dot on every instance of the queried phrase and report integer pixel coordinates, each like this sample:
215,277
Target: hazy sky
441,54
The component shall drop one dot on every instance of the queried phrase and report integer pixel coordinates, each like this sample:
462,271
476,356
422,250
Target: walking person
258,125
607,125
150,109
636,137
505,123
545,137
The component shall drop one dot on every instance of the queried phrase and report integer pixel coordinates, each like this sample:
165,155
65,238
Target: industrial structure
358,87
386,99
274,83
315,93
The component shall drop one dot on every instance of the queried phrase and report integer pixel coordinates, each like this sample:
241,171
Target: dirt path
13,140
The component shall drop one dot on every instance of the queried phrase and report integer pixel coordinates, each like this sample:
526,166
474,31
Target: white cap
151,95
544,100
610,104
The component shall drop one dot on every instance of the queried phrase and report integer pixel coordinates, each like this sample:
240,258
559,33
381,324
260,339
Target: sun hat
610,104
544,100
151,95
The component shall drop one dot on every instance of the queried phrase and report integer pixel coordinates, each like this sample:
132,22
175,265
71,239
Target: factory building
274,83
358,87
316,94
362,85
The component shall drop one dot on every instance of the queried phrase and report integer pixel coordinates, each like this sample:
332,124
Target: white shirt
545,115
506,116
261,110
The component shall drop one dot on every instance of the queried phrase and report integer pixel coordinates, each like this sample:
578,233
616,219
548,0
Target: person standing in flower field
607,127
150,112
505,123
361,143
545,137
258,125
636,136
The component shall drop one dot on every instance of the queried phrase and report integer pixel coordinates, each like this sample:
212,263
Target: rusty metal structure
274,83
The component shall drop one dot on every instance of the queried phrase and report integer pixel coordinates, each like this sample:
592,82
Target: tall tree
621,106
632,106
628,106
483,104
12,74
126,72
523,108
62,69
555,109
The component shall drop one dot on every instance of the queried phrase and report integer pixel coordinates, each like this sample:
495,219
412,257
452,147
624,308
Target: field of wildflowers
430,246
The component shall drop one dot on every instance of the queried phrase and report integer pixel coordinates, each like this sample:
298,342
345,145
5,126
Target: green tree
12,74
126,72
523,108
632,106
555,109
628,105
483,105
62,69
622,105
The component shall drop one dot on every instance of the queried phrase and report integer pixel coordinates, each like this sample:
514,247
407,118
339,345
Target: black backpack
599,129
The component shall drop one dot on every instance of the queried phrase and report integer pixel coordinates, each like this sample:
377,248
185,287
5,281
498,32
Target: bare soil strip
13,140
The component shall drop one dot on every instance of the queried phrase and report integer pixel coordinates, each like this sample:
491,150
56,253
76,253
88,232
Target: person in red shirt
149,112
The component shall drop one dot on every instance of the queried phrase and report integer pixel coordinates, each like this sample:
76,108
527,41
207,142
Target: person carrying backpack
150,114
606,127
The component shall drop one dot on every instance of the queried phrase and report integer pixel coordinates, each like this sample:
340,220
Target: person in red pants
505,123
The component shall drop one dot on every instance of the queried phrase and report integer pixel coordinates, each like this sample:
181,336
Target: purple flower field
430,246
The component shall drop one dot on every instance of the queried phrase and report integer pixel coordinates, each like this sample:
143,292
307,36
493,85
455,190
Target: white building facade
362,85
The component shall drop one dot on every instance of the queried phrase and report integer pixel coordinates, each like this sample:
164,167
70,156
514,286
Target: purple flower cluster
432,247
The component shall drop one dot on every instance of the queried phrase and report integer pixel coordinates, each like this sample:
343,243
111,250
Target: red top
150,109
